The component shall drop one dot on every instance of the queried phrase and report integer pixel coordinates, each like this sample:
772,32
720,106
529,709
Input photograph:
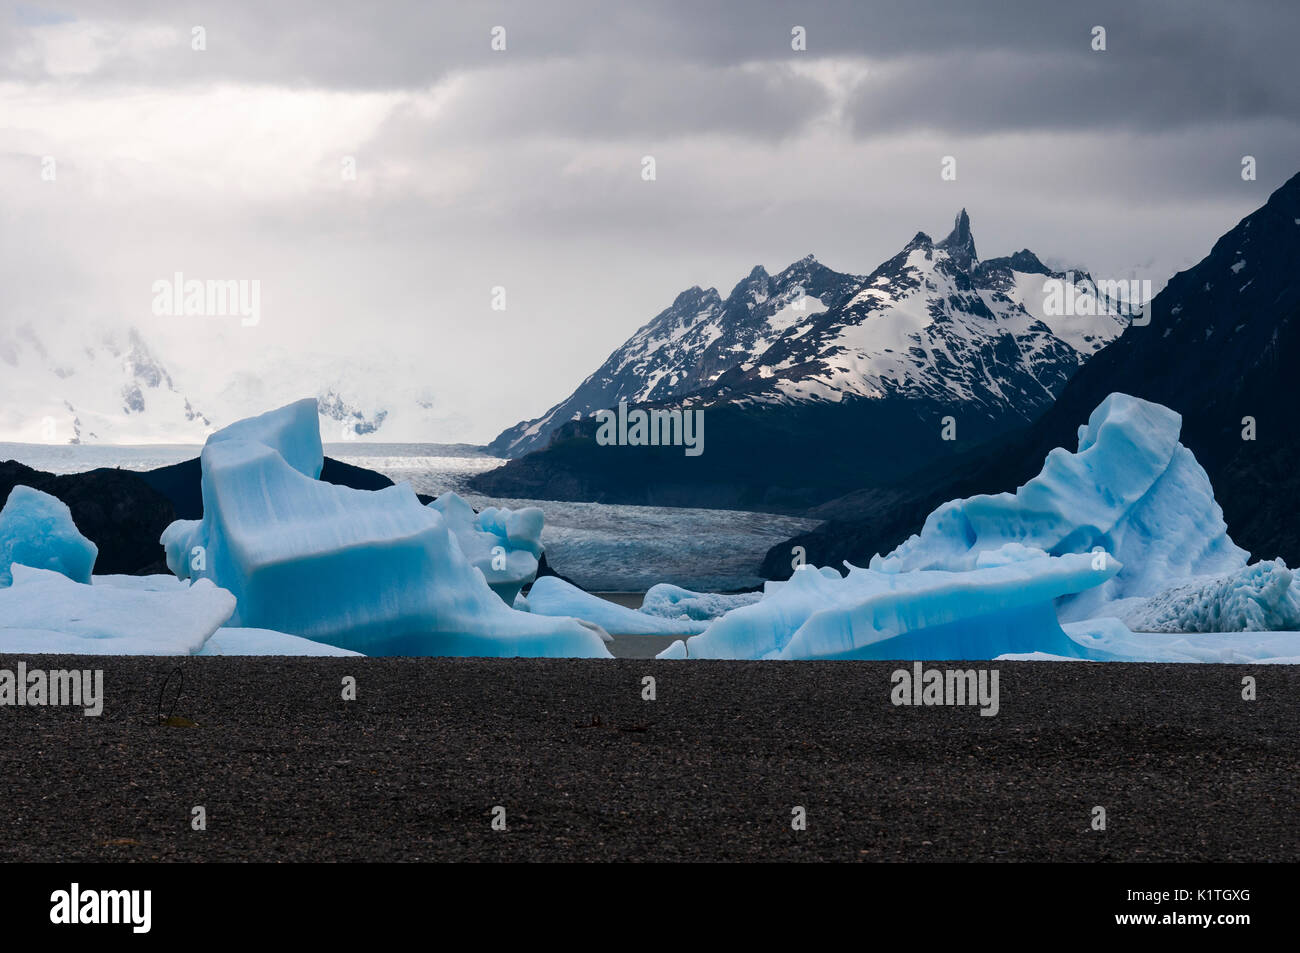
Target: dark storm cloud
969,66
1142,81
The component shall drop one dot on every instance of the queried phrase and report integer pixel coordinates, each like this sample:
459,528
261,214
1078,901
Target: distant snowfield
601,547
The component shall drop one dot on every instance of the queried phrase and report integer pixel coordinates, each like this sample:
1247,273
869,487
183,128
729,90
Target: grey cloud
409,43
608,99
959,66
987,93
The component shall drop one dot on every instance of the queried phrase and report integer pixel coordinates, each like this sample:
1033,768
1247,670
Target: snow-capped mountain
64,383
1219,346
107,387
806,405
932,323
692,343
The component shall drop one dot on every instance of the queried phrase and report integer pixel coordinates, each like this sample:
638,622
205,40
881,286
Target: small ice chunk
674,602
37,530
503,544
552,596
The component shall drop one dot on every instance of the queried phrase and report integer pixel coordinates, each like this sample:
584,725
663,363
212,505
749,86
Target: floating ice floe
674,602
1131,490
552,596
977,613
45,611
1110,640
265,642
503,544
37,530
370,571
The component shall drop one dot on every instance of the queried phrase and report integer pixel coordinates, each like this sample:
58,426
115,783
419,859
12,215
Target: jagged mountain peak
695,296
931,324
919,240
1026,261
757,277
960,243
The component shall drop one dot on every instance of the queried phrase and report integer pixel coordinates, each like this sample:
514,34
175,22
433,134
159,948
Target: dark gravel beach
710,770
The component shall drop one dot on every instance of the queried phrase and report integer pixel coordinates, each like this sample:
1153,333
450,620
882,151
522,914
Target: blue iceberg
370,571
503,544
45,611
552,596
673,602
227,641
37,530
1110,640
1132,490
1003,606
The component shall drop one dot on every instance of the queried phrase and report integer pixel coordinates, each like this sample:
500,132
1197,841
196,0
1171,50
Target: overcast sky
522,168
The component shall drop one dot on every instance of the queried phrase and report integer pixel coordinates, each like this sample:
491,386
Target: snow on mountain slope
62,383
692,343
65,387
932,323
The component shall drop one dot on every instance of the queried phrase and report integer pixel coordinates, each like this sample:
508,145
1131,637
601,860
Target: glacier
552,596
503,544
922,614
37,530
1131,490
370,571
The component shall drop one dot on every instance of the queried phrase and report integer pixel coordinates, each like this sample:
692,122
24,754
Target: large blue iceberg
370,571
1003,605
1132,490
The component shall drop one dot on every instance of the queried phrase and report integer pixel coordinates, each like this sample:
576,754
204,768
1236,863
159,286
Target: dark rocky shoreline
710,770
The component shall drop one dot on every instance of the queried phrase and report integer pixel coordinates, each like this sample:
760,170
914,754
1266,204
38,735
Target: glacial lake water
601,546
